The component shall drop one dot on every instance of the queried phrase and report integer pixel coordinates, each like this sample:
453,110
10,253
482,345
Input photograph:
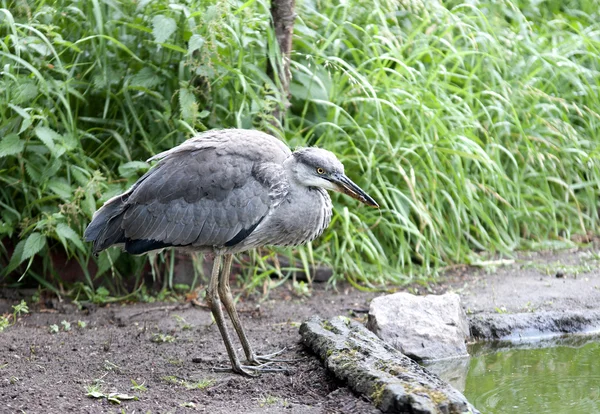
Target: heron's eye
320,171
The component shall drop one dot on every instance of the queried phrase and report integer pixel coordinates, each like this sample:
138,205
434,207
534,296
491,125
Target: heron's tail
105,228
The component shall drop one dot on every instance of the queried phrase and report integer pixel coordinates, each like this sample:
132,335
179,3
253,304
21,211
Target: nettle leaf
162,28
25,124
80,175
129,169
189,107
34,243
196,42
52,168
88,204
211,13
34,171
26,249
68,142
11,145
16,258
22,112
6,228
146,78
60,187
110,191
64,233
33,43
25,92
48,136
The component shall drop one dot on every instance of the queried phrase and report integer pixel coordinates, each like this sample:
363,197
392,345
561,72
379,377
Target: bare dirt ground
154,344
43,372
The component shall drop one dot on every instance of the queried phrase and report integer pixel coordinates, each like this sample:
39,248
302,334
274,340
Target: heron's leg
227,299
212,297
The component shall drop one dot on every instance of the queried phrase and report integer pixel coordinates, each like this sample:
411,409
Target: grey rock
393,382
518,326
422,327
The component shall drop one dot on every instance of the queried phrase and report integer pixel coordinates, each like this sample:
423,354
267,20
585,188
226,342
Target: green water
563,376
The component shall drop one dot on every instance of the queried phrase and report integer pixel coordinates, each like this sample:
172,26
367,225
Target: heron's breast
298,219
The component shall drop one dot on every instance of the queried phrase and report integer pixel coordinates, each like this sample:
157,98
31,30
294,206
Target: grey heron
224,192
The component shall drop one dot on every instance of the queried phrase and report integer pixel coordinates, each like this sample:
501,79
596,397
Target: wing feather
204,193
181,237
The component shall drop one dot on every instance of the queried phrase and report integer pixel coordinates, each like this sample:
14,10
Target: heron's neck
292,171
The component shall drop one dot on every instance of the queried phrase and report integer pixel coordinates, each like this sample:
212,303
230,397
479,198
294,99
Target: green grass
475,126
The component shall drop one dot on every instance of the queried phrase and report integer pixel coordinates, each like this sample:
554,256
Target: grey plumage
225,191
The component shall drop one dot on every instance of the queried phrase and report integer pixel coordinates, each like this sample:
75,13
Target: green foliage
199,385
4,322
182,323
138,387
474,125
95,391
162,338
18,309
66,325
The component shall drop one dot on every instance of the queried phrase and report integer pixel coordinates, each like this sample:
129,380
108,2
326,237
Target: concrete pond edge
532,325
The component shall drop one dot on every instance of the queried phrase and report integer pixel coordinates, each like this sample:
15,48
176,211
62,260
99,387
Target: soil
43,372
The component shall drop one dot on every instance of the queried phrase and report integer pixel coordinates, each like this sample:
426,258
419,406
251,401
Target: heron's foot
265,359
252,370
269,358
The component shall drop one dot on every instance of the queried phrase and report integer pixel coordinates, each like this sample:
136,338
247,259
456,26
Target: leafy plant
474,125
162,338
138,387
4,322
18,310
94,391
182,323
190,385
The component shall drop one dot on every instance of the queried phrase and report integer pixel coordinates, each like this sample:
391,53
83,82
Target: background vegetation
475,125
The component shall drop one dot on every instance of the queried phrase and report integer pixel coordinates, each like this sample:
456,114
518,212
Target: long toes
238,370
265,368
263,359
269,358
274,354
252,370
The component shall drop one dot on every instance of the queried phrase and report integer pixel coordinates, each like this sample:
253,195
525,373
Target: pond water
544,376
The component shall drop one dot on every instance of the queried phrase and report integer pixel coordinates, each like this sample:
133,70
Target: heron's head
316,167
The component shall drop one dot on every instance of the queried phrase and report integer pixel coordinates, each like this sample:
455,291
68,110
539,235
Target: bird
223,192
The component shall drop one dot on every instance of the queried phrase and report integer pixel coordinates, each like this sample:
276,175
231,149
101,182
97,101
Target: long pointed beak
345,185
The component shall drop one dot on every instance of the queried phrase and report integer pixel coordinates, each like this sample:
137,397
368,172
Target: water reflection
550,376
454,371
